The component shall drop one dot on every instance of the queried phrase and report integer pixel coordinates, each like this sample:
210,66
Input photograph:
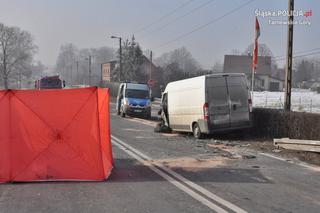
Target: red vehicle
49,82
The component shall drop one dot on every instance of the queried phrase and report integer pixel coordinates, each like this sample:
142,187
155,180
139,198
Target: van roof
211,75
226,74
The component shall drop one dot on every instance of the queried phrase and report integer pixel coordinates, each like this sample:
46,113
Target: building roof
111,61
243,64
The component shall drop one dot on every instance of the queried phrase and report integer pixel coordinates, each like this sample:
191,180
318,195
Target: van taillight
250,104
206,111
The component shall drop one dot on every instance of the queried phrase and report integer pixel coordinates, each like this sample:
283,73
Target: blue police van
134,99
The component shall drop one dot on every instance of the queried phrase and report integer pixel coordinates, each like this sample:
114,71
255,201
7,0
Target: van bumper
138,111
209,129
243,126
204,127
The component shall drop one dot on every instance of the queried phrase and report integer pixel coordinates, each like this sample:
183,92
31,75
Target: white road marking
139,120
171,180
314,168
149,123
181,178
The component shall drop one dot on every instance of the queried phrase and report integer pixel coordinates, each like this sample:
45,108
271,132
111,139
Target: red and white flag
255,51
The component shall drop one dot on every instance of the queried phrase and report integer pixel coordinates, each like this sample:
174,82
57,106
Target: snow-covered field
301,100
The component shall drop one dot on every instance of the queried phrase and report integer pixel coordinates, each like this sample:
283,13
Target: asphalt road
174,173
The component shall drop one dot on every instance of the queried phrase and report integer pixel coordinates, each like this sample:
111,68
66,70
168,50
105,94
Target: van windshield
50,84
134,93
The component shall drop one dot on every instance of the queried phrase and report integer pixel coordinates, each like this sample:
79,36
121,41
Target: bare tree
217,67
235,52
182,57
66,62
73,63
305,70
263,50
16,53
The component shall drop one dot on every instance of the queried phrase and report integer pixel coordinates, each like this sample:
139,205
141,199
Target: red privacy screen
55,135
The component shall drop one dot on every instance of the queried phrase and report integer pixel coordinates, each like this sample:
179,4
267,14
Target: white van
207,104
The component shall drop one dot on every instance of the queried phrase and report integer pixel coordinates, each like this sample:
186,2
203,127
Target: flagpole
253,67
255,54
252,82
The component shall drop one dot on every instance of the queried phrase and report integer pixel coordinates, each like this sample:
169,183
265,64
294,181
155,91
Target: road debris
231,152
196,163
162,128
248,156
300,145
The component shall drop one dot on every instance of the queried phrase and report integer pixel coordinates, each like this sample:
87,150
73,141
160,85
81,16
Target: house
264,78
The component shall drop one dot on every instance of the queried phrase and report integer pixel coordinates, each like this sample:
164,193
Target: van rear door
238,92
218,100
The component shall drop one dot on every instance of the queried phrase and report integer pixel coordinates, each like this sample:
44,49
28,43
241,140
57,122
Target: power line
299,56
206,24
178,18
298,52
163,17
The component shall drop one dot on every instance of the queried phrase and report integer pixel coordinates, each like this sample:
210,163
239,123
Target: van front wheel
196,131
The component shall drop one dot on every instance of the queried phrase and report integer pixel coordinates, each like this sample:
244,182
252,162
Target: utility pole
288,83
150,76
77,62
120,58
120,55
20,79
89,70
71,77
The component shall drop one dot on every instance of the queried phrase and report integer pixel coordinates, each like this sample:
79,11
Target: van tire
196,131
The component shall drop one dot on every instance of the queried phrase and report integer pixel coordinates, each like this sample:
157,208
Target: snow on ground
301,100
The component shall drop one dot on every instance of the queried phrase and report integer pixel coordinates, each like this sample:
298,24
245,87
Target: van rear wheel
196,131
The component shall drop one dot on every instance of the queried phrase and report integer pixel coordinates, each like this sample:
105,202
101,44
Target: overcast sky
89,23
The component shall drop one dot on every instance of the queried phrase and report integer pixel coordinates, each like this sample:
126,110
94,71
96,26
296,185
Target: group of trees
132,60
17,65
263,50
73,64
175,65
306,69
178,64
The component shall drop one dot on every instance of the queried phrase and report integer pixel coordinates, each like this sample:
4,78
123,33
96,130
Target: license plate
137,110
